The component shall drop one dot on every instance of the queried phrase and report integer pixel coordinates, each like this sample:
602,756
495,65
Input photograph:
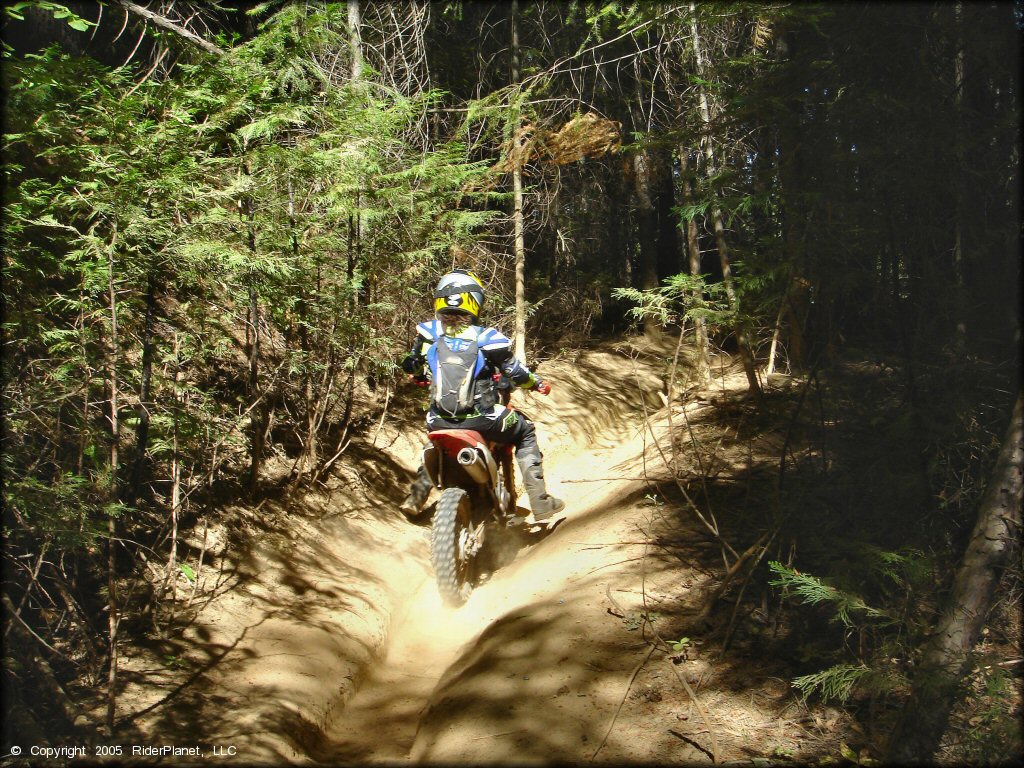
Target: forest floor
316,633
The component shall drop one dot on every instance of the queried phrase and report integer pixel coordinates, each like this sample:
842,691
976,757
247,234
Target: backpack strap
455,370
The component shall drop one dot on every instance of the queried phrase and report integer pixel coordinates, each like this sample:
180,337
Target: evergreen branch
835,683
812,591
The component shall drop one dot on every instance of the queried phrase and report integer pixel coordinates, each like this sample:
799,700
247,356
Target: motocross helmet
459,291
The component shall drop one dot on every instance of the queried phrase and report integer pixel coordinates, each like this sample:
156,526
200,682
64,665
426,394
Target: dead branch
711,525
739,598
689,691
164,23
28,589
38,666
584,136
625,693
734,569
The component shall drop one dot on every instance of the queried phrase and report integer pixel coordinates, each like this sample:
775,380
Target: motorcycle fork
508,478
443,472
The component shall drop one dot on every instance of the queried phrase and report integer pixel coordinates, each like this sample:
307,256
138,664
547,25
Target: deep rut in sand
439,655
323,637
320,635
534,666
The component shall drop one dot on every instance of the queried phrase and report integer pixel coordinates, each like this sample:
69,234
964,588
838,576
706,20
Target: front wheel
453,545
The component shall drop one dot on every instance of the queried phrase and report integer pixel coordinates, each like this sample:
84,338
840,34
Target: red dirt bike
477,505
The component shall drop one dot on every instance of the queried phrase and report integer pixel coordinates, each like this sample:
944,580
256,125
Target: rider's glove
542,386
413,363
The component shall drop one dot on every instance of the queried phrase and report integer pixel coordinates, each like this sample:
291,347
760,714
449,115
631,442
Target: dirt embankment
323,639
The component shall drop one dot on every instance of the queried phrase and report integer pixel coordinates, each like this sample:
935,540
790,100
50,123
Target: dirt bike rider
458,300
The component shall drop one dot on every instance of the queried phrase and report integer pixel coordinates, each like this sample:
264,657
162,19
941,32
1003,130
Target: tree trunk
86,380
307,456
960,312
946,655
796,335
794,219
517,201
256,436
172,560
746,355
614,241
257,430
769,368
647,225
668,250
112,607
787,309
702,363
145,385
355,39
115,431
353,358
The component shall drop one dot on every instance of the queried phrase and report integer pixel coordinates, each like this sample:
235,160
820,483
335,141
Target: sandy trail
391,717
328,641
321,637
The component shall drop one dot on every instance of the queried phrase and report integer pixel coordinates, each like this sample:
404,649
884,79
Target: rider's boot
543,504
419,491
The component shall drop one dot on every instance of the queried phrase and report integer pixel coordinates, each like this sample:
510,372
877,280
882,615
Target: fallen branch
689,691
733,570
609,565
28,588
696,702
199,567
712,526
496,735
164,23
612,479
625,693
383,413
739,598
38,664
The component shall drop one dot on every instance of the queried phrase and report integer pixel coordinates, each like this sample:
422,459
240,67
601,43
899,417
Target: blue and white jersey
495,349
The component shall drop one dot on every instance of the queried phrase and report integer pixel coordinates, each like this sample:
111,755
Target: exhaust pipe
474,465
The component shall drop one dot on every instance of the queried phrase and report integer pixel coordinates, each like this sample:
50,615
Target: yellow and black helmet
459,291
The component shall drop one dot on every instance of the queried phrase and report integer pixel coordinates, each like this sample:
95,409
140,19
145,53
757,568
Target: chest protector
455,363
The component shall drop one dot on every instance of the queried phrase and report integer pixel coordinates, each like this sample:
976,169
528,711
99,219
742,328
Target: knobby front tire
452,522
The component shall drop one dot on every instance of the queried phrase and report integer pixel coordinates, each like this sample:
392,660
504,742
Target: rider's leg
530,459
508,426
504,425
419,491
